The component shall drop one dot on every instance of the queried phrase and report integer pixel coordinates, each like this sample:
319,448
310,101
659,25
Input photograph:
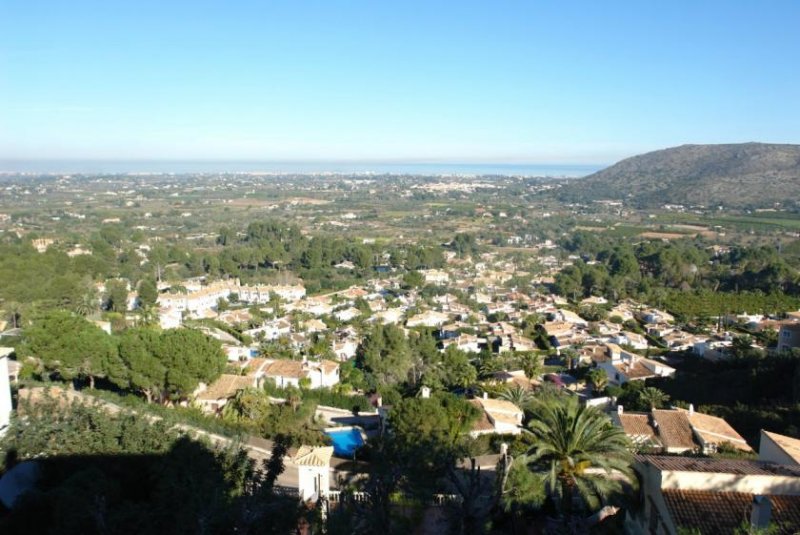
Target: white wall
312,480
5,393
769,451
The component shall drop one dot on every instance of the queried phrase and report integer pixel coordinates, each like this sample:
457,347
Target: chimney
620,409
761,512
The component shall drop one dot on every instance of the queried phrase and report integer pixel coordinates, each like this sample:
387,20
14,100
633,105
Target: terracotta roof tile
285,368
498,405
637,425
313,456
226,386
723,512
745,467
256,365
482,423
715,430
674,429
637,370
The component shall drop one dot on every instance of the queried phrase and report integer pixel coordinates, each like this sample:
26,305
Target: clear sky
461,81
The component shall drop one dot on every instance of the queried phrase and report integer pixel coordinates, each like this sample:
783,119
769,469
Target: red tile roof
743,467
674,429
724,512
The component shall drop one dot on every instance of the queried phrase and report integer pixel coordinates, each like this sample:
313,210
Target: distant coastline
276,167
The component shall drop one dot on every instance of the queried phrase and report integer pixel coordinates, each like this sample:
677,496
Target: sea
290,167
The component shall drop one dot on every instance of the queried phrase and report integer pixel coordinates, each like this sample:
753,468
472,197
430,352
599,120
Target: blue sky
461,81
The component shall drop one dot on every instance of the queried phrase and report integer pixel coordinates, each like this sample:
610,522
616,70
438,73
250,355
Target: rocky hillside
736,175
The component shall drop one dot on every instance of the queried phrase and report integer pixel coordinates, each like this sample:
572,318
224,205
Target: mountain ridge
735,175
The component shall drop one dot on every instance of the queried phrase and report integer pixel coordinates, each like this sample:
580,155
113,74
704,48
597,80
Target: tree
14,312
146,373
72,347
427,359
87,304
123,469
465,244
570,439
517,394
653,397
190,358
148,292
116,296
531,365
428,436
249,405
457,370
413,279
598,378
385,356
520,490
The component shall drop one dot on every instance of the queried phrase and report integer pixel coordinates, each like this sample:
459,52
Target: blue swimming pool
346,441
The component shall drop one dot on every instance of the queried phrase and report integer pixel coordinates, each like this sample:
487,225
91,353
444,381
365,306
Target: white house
271,330
347,314
435,276
711,349
289,292
313,471
655,316
313,326
213,397
636,341
390,315
466,342
345,349
316,307
236,352
429,318
624,366
499,417
324,373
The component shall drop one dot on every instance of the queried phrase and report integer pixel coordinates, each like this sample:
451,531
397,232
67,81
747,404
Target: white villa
324,373
624,366
499,417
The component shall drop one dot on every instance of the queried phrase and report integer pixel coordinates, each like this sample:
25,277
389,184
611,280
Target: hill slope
736,175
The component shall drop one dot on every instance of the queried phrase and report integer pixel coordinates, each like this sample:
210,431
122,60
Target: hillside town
469,338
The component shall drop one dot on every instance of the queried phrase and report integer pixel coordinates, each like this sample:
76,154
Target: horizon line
399,161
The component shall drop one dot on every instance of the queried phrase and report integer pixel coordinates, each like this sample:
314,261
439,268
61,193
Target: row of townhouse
198,301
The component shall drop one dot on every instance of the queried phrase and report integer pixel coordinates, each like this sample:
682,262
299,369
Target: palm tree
577,449
532,366
653,397
598,378
87,304
517,394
